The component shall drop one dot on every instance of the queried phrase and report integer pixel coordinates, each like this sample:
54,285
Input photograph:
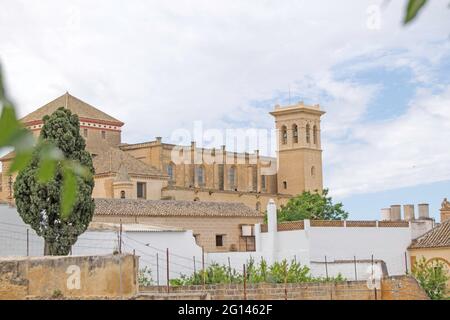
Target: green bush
278,272
432,277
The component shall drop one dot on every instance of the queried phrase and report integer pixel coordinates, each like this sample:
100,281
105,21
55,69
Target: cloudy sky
162,65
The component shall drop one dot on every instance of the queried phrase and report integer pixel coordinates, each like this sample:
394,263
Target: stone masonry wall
74,276
393,288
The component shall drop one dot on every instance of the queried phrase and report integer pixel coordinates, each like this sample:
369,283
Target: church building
155,170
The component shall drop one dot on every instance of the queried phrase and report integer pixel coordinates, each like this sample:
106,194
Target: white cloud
160,65
410,150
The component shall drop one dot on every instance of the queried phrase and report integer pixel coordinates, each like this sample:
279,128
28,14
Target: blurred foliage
412,9
432,277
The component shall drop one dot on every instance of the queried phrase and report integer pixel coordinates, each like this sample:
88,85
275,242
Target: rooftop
131,227
114,160
77,106
155,208
435,238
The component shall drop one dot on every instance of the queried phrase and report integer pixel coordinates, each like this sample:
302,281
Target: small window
232,178
308,134
141,190
85,133
170,172
263,183
200,172
295,133
122,194
283,135
313,171
103,134
219,240
315,134
285,184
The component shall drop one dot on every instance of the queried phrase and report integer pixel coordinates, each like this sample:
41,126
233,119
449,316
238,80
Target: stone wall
392,288
75,276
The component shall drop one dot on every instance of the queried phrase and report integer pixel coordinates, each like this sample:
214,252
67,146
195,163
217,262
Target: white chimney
424,211
408,212
386,214
396,214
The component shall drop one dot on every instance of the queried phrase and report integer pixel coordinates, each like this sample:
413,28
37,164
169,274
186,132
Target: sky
162,66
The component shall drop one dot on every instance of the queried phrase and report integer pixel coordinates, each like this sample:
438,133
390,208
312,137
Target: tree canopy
312,205
38,198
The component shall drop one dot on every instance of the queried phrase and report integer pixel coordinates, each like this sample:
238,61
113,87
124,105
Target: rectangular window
85,133
285,184
221,172
219,240
263,183
141,190
103,134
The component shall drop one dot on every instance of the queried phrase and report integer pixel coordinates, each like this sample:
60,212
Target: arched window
200,173
308,134
283,135
313,171
295,133
232,178
122,194
170,172
315,134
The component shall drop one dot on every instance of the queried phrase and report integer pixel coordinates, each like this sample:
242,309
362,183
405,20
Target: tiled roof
131,227
81,108
116,161
151,208
435,238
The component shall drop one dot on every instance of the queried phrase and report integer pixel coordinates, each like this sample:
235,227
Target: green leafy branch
14,135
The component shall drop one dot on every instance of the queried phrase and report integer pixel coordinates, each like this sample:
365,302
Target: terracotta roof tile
435,238
135,207
77,106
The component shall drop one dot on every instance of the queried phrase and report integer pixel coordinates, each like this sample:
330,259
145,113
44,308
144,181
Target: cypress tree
39,202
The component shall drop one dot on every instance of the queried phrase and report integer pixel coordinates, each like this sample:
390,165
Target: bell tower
299,153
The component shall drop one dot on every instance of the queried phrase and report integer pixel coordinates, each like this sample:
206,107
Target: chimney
424,210
158,140
408,212
386,214
396,214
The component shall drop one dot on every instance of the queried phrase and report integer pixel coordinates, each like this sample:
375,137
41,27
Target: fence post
229,269
168,271
195,270
356,272
245,283
406,262
203,268
157,269
28,242
326,267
